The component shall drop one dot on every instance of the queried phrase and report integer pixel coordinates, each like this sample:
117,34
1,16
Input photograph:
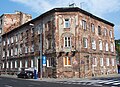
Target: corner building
75,43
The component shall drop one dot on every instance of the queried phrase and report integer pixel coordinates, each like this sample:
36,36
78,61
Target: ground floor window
32,63
67,61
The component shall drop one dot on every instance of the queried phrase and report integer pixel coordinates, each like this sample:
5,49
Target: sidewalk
63,79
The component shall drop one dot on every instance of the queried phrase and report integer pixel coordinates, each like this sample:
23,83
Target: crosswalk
96,83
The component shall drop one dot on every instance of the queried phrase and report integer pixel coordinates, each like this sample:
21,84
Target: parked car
26,74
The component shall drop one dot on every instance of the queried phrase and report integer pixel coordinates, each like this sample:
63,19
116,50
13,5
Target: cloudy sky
106,9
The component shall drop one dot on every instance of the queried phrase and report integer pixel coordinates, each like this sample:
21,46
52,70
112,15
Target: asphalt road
95,82
14,82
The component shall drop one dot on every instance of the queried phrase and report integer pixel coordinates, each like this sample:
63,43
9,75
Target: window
32,48
106,47
67,23
99,30
113,62
67,41
101,62
67,61
11,65
107,62
3,65
20,64
84,25
16,38
16,51
49,62
100,44
3,43
105,32
32,63
11,39
112,49
85,42
3,53
26,49
111,34
95,61
93,44
8,41
7,53
16,64
11,52
7,65
0,30
26,63
92,27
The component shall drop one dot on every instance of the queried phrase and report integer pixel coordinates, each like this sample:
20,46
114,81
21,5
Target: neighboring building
117,47
10,21
75,43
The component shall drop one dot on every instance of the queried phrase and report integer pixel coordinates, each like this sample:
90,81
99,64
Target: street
96,82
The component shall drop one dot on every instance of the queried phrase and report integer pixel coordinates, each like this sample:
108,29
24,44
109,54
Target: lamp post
41,51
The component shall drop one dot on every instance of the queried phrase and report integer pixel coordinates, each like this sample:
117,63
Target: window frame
67,64
85,42
100,45
67,23
67,42
84,25
93,44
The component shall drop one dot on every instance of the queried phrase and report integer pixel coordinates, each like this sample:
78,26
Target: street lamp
40,48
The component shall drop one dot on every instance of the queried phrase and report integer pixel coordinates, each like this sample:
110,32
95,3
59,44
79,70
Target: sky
105,9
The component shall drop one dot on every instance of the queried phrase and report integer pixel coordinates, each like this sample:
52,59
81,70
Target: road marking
116,83
8,86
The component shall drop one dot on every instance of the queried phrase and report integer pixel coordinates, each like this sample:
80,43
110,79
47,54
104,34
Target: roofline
65,9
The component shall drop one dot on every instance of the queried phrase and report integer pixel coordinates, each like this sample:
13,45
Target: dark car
26,74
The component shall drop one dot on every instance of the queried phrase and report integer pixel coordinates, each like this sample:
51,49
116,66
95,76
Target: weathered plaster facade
72,51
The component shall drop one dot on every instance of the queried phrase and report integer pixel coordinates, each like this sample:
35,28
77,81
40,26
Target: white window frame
26,63
49,62
101,62
11,52
20,63
111,34
16,38
8,41
11,39
92,27
100,45
16,51
113,61
26,49
67,23
84,24
0,30
107,62
32,62
4,43
7,53
67,41
106,46
85,42
112,47
3,65
15,63
95,61
3,53
93,44
105,32
67,61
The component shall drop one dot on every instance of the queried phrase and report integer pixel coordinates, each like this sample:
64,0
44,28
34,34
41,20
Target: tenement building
10,21
76,43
